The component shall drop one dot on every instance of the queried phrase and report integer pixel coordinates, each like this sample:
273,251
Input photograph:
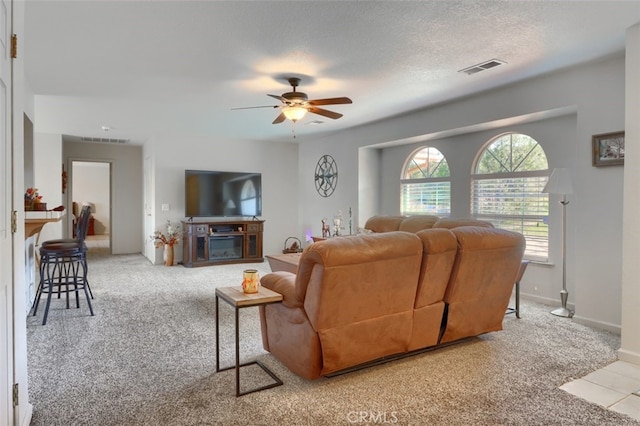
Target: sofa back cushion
482,280
384,223
417,223
450,223
359,293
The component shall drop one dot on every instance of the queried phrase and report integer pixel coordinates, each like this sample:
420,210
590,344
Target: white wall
369,171
47,170
575,104
630,342
278,163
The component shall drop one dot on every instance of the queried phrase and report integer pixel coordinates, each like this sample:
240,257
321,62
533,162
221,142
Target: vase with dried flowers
167,240
33,200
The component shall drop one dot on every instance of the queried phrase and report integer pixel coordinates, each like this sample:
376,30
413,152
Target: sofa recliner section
439,248
485,270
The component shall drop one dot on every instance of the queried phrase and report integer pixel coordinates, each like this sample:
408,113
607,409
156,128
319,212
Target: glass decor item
250,281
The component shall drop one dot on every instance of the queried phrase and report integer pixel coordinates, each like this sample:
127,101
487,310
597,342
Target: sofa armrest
284,283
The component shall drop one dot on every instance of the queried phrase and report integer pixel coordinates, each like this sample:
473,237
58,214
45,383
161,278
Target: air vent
103,140
483,66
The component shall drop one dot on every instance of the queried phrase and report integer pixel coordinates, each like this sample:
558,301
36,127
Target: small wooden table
235,297
284,262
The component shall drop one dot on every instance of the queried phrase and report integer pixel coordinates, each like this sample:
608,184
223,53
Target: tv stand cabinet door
195,248
253,241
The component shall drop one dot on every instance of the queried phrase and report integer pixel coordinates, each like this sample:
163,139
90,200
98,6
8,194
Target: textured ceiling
147,68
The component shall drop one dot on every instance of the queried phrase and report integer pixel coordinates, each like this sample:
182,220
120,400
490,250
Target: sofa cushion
417,223
450,223
384,223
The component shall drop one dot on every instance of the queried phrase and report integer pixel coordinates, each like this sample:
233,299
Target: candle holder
250,281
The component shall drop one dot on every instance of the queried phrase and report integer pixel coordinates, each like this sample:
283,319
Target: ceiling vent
483,66
103,140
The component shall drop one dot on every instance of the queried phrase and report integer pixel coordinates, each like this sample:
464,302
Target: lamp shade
559,182
294,113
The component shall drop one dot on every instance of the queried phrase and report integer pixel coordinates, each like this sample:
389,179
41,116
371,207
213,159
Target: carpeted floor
148,358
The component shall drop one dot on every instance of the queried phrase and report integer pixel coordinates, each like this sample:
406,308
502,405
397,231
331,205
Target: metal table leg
276,379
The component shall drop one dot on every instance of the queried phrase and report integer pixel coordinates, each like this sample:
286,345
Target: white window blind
506,190
426,198
425,186
516,204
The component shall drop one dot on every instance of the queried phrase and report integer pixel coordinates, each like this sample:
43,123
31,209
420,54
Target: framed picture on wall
608,149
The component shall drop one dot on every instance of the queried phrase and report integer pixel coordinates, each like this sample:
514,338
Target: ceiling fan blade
330,101
278,97
263,106
325,112
279,119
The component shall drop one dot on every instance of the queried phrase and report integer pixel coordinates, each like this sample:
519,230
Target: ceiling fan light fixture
294,113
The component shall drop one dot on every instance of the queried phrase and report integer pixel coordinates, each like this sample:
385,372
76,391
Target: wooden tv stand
221,242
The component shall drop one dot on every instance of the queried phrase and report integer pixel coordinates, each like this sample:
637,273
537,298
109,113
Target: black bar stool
82,226
63,269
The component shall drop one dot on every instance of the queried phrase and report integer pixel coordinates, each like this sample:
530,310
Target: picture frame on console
608,149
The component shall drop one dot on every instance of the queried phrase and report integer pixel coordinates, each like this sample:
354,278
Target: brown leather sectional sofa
362,298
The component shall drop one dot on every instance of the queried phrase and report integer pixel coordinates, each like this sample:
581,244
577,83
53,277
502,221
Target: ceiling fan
295,105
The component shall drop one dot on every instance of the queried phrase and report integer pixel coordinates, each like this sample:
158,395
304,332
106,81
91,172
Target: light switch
165,207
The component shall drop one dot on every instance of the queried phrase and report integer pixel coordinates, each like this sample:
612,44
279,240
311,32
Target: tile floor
615,387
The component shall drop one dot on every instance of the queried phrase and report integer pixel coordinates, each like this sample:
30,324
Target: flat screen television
218,193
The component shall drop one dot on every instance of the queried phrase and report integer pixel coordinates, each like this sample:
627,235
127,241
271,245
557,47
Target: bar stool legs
63,270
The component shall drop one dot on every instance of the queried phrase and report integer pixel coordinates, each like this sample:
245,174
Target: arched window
426,184
506,184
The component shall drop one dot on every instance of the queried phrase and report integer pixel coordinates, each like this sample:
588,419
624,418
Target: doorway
91,184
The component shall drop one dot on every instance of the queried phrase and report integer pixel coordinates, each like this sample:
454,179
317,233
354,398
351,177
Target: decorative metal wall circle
326,176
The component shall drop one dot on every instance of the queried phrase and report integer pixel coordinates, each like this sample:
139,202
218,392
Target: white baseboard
555,303
600,325
628,356
26,420
589,322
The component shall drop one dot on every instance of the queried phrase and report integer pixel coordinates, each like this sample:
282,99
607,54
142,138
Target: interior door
6,266
149,220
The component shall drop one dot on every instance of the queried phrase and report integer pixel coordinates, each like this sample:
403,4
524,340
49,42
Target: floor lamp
560,183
